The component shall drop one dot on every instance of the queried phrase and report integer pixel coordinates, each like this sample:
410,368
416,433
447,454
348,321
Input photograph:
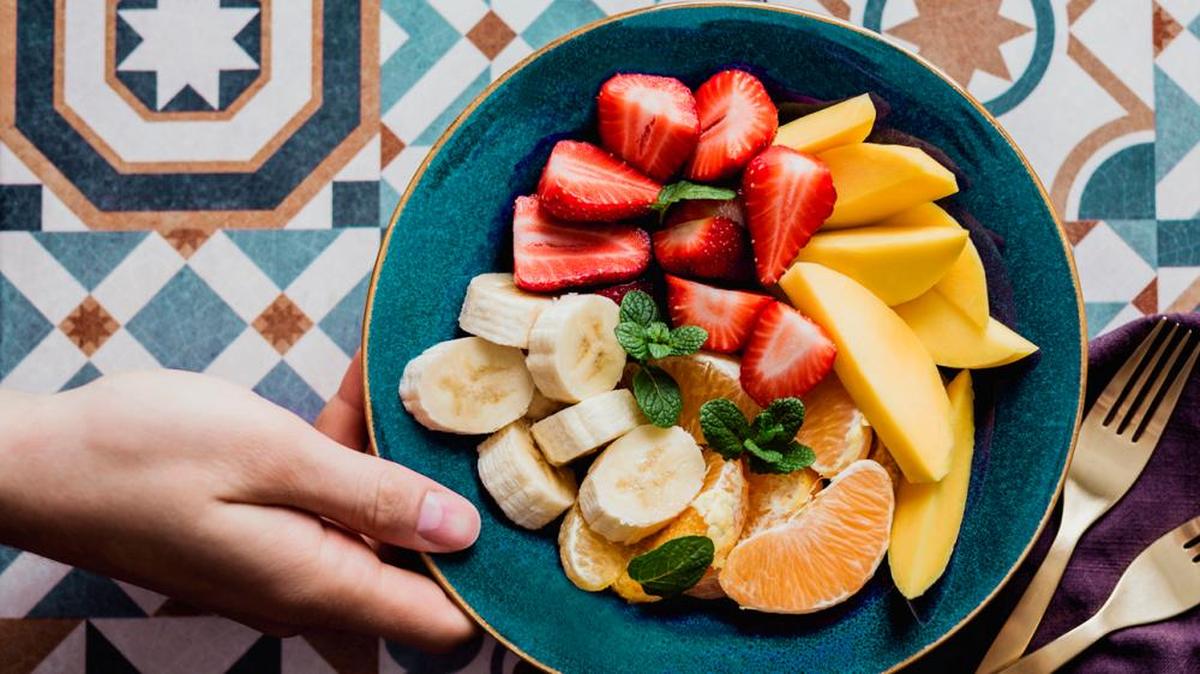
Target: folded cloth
1166,495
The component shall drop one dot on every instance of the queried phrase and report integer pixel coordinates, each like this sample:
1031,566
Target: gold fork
1162,582
1115,442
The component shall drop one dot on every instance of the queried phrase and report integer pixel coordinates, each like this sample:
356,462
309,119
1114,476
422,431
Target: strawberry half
550,256
649,121
737,119
787,354
694,209
584,183
713,247
617,293
728,315
788,196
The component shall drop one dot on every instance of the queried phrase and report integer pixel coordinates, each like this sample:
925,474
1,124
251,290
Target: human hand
204,491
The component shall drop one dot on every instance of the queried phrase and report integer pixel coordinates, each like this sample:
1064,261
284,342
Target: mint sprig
674,566
684,191
768,442
645,337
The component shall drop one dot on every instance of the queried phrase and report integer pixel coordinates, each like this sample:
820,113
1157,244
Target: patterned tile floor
216,208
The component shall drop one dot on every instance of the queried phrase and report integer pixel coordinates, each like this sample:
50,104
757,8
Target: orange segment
590,560
834,427
774,499
702,377
824,554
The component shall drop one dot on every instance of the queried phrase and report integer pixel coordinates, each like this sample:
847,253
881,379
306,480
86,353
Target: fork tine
1155,419
1131,396
1112,392
1158,377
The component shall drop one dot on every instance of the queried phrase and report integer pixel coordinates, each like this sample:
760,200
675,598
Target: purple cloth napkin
1166,495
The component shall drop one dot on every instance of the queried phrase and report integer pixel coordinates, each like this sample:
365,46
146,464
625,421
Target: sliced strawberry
649,121
787,354
694,209
711,247
584,183
727,315
550,255
617,293
737,119
788,196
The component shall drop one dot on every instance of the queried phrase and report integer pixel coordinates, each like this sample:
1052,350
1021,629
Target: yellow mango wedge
896,263
928,516
964,283
955,341
840,124
883,366
875,181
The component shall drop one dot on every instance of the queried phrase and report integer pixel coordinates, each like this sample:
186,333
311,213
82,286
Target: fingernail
447,521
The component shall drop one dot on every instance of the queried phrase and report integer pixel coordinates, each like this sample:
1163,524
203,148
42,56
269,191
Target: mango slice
840,124
964,283
883,366
954,341
896,263
928,516
875,181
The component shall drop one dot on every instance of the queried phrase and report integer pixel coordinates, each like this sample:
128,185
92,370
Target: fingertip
447,521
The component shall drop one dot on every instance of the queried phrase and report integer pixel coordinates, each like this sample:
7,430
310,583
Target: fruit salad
732,358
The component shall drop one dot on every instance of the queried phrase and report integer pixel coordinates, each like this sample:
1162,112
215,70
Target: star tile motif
491,35
188,43
282,324
186,240
938,33
89,326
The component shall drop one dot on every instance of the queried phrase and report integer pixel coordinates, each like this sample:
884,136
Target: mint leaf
657,395
785,412
762,453
685,190
658,333
687,339
638,307
674,566
632,338
794,456
659,350
724,427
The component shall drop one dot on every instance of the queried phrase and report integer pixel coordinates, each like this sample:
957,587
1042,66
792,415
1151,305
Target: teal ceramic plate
454,222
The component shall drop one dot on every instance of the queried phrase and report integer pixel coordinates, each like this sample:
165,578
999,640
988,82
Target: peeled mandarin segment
964,284
775,499
840,124
896,263
823,555
834,428
704,376
954,341
590,561
883,365
875,181
928,516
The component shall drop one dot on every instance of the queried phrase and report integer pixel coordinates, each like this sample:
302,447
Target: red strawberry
737,119
617,293
694,209
786,355
788,196
583,182
649,121
727,315
549,255
712,247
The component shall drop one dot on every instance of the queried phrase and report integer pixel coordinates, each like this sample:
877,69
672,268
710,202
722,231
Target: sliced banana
567,435
500,312
541,406
573,351
466,385
530,491
590,561
644,479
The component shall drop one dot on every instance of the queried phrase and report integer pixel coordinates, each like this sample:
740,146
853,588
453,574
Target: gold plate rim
766,7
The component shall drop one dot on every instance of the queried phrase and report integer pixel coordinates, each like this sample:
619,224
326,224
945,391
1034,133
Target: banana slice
590,561
467,386
541,406
573,352
500,312
582,427
530,491
644,479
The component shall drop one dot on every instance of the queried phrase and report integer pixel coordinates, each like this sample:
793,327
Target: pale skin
202,490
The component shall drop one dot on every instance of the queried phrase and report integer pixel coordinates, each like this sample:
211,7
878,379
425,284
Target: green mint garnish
684,191
768,442
674,566
644,337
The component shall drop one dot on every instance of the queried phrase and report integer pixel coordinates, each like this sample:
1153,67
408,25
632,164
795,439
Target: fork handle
1060,651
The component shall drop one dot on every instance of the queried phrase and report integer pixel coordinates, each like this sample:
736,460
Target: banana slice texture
581,428
467,386
640,482
573,351
541,406
500,312
530,491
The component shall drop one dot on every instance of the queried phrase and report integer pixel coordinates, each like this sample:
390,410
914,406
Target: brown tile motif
89,326
1147,300
1078,229
282,324
186,240
25,643
389,146
1165,28
491,35
1188,300
940,26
